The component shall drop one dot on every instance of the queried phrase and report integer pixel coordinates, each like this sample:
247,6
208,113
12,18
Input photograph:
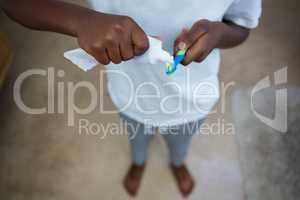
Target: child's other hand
200,40
111,38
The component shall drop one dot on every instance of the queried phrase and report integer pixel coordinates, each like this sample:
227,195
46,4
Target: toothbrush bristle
171,67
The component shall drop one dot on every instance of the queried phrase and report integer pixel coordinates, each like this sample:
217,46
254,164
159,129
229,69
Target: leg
139,138
178,140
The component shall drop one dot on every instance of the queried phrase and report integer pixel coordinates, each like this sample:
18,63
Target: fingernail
181,45
185,29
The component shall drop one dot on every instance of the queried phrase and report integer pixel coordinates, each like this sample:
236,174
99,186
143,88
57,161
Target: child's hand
111,38
200,40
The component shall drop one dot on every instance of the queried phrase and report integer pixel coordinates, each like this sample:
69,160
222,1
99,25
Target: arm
46,15
232,35
107,37
204,36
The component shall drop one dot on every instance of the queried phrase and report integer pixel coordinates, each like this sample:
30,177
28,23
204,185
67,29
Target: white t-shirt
145,93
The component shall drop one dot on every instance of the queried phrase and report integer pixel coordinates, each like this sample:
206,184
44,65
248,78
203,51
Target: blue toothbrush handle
177,60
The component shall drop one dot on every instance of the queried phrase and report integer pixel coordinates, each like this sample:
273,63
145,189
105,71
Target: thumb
188,37
181,41
140,41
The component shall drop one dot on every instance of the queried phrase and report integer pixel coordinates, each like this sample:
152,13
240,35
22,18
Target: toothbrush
172,67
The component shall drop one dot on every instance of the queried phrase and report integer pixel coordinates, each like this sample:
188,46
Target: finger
197,51
203,56
101,56
140,41
126,50
189,38
200,58
114,54
178,44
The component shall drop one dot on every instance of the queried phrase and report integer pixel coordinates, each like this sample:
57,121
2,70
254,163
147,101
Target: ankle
177,165
138,164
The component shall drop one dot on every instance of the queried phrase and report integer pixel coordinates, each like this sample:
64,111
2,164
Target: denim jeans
177,138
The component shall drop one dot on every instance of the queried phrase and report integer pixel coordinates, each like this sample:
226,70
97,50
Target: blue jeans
178,139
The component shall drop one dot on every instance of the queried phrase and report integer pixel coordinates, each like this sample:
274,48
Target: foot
184,179
133,179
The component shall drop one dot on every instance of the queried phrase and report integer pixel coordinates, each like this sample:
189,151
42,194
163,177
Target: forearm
231,35
47,15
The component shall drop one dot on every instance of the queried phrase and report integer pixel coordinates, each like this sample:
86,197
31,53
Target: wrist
81,20
218,30
77,23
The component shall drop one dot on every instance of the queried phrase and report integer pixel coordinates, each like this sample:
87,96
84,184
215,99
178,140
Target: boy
115,31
